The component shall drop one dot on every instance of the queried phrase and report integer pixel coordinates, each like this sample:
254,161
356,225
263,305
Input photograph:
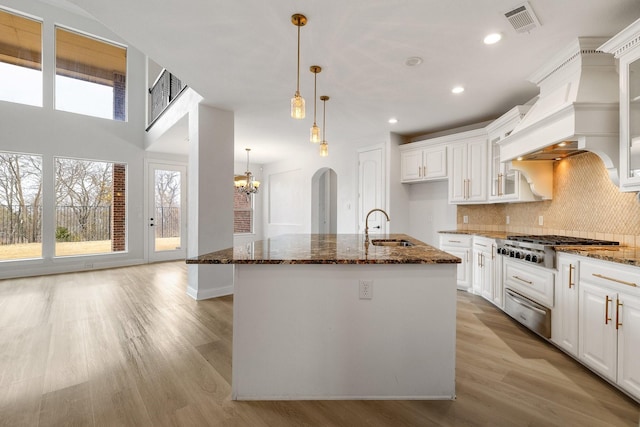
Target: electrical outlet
465,219
540,220
508,219
366,289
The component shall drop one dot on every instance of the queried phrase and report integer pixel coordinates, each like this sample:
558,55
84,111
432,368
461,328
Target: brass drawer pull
618,305
614,280
606,309
522,280
571,267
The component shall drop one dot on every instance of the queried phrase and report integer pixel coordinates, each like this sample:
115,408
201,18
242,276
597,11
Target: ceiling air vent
522,18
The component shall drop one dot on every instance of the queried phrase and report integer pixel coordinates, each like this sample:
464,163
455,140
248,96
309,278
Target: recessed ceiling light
393,120
519,158
412,61
457,89
492,38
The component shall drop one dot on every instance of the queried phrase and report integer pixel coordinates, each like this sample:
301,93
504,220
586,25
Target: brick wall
119,97
242,213
118,209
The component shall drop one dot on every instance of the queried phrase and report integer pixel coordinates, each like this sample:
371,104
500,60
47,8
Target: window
90,76
90,207
242,213
20,59
20,206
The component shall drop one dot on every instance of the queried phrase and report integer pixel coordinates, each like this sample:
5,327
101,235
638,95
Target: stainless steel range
528,263
540,249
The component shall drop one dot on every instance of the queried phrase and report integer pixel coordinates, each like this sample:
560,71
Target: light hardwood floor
128,347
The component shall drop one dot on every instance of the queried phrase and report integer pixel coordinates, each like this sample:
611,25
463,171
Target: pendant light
324,147
297,102
245,184
315,130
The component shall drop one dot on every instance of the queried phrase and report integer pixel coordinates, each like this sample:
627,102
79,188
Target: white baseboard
209,293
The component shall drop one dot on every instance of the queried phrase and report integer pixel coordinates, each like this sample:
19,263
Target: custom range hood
577,110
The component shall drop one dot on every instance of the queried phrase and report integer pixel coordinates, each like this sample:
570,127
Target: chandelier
245,184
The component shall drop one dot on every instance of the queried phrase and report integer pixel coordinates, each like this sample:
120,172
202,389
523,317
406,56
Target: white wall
398,193
429,211
44,131
297,173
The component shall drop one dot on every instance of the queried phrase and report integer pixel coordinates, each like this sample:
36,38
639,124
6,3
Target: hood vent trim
578,104
522,18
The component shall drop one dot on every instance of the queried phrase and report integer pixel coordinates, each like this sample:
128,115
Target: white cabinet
468,169
626,47
506,184
564,317
423,163
484,255
459,245
609,322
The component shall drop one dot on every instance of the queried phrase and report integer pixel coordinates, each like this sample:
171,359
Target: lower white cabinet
459,245
484,256
609,322
564,317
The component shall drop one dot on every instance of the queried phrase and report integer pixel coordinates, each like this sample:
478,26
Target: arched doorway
324,201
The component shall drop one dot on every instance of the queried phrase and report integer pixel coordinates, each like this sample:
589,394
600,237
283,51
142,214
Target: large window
20,59
20,206
242,213
90,207
90,76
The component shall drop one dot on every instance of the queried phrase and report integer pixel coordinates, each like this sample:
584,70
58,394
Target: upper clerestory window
20,59
91,76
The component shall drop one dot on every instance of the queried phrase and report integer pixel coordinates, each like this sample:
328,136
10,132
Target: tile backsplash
585,203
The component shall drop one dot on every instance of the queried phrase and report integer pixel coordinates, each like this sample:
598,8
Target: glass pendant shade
315,134
297,106
324,149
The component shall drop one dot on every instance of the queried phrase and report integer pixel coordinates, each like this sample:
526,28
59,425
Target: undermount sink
391,242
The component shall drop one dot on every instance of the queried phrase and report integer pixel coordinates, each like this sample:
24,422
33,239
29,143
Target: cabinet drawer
456,240
533,282
608,274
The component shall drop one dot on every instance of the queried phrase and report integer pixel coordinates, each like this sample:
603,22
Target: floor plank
128,347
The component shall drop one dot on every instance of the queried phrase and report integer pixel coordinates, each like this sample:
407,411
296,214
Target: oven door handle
528,304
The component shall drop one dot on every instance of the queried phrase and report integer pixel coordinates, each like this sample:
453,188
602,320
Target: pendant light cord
315,99
298,82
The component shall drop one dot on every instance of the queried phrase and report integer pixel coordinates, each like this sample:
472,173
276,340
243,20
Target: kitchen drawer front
456,240
617,276
533,282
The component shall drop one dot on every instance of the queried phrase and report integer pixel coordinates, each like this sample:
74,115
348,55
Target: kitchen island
340,317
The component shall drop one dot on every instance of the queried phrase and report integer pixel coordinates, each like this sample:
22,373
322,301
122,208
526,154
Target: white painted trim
209,293
30,268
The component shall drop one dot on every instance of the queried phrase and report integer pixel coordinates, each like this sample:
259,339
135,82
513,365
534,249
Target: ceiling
241,56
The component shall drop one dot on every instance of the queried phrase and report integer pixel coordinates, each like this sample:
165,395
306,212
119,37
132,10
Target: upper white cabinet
468,168
422,162
626,47
506,184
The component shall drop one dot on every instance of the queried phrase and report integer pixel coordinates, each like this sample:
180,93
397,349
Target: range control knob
527,257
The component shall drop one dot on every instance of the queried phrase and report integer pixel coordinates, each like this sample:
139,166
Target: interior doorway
324,202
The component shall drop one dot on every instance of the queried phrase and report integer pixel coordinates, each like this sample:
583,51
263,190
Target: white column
210,199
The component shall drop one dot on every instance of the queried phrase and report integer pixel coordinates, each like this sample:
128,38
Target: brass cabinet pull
571,267
455,241
500,193
618,305
493,251
606,310
522,280
424,171
614,280
420,171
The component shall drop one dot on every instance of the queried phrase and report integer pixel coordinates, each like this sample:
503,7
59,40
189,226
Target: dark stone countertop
327,249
